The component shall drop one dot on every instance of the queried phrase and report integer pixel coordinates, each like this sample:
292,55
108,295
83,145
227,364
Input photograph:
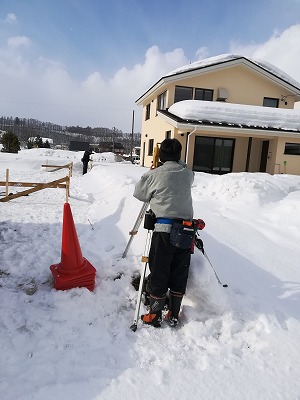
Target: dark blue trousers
169,266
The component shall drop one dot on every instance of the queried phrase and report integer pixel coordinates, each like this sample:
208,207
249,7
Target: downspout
188,142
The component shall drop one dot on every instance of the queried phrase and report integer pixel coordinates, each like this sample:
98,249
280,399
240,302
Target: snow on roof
203,63
237,114
231,57
32,139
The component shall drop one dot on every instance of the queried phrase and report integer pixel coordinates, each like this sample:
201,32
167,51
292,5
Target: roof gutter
243,131
233,130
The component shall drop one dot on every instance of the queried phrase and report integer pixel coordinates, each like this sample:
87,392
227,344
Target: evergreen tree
38,142
29,144
10,142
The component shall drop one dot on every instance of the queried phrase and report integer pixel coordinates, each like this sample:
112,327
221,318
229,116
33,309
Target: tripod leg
133,327
135,228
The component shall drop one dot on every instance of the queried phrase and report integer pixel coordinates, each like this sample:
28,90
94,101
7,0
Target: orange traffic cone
73,269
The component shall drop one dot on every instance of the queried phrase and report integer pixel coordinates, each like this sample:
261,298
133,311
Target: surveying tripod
145,258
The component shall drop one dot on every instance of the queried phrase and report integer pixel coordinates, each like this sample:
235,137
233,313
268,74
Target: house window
183,93
292,148
147,112
213,155
204,94
270,102
162,101
168,135
150,147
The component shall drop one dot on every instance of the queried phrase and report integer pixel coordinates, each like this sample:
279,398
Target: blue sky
86,61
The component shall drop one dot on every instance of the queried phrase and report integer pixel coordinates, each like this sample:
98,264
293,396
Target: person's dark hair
170,150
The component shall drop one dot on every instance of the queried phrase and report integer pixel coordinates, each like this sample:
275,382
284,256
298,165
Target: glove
199,224
199,244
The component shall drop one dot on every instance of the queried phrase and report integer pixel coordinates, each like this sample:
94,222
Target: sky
238,342
75,62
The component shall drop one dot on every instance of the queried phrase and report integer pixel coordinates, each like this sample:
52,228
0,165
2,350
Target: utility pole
132,130
114,128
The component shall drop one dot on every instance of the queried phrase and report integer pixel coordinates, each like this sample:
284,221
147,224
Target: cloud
202,53
281,50
156,65
18,41
12,64
41,88
10,18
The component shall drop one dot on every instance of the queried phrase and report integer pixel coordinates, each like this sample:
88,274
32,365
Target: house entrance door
213,155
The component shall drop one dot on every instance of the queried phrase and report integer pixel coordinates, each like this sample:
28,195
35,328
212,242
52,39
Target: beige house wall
240,154
290,164
154,128
243,86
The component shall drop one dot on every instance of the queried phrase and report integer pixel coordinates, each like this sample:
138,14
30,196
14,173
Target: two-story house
230,113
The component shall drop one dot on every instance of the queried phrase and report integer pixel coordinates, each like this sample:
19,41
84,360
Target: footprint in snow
109,248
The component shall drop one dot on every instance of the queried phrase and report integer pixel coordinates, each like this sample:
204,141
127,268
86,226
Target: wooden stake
53,184
7,175
67,188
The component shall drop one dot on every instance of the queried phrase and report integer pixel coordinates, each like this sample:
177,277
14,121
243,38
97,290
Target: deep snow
240,342
238,114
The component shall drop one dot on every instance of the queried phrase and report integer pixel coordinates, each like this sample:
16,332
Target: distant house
35,139
136,150
230,113
76,145
113,147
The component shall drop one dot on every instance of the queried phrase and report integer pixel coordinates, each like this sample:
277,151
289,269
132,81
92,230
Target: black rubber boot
175,300
154,317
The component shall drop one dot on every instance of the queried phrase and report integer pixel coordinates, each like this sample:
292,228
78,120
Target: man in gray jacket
168,188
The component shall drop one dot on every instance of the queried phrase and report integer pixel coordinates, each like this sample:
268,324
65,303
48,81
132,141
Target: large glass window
292,148
270,102
204,94
183,93
187,93
162,101
147,111
213,155
150,147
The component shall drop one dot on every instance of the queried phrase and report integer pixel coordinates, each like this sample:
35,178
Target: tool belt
182,234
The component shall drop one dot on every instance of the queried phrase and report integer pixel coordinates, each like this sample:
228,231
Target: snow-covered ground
237,343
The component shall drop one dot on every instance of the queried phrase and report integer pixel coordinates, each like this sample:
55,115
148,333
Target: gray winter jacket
168,188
